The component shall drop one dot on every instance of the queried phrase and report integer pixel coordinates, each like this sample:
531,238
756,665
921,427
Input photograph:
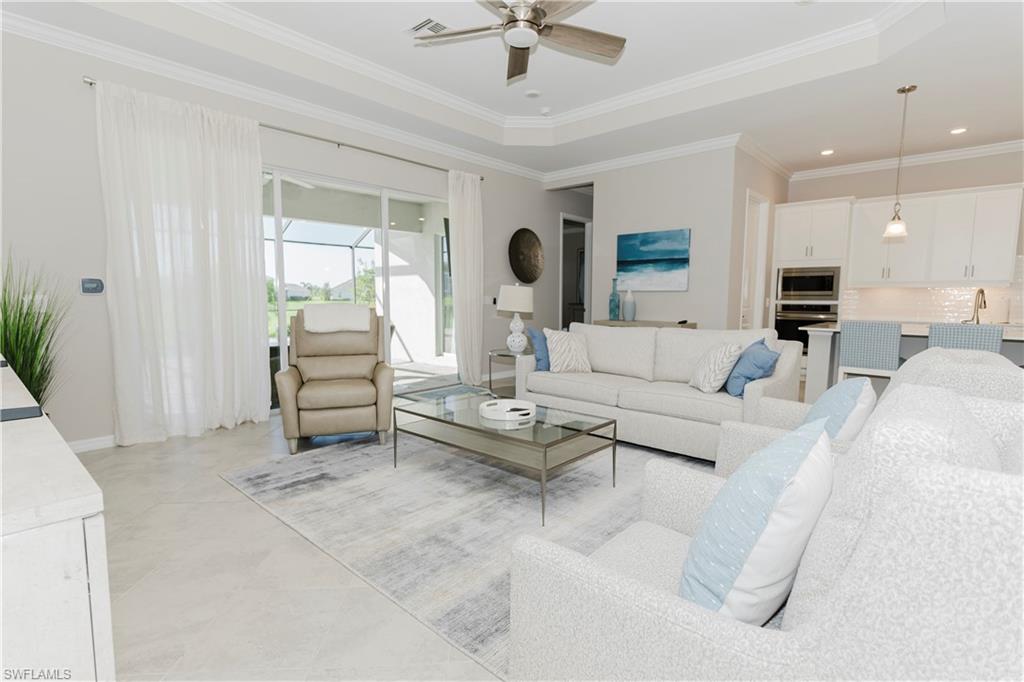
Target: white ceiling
794,77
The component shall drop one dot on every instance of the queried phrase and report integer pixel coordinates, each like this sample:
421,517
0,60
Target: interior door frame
759,303
588,256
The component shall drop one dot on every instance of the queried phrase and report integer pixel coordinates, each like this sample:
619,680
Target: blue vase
613,300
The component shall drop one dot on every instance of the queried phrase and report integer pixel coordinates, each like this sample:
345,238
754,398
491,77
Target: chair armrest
737,441
572,618
524,365
384,382
289,381
782,414
783,383
675,496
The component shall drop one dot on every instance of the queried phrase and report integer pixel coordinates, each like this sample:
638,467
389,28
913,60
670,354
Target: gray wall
53,211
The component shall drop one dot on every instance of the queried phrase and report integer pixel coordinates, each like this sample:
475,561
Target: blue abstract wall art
654,261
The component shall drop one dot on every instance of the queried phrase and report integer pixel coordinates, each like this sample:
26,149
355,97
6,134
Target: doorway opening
574,266
753,299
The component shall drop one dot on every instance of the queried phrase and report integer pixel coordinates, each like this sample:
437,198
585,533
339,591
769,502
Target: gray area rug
435,535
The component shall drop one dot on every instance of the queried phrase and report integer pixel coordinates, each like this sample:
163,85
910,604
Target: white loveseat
640,378
912,571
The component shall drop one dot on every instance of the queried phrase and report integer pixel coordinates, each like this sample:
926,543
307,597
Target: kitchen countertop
1011,332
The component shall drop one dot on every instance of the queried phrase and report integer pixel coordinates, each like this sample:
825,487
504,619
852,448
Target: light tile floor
208,586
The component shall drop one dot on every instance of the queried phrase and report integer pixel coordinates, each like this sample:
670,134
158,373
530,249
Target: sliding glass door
327,241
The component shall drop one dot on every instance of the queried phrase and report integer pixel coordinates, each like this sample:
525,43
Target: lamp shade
515,299
895,228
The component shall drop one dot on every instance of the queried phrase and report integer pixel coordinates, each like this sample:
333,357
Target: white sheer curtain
186,287
467,235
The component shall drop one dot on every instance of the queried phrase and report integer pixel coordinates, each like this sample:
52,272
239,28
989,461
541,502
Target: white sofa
912,571
640,378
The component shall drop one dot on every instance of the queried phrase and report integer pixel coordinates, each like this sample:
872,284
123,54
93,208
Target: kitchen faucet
979,304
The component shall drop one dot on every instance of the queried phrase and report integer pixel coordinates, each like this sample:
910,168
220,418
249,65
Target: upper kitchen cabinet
953,238
812,231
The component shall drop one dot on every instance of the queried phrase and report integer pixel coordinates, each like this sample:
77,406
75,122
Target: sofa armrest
780,413
738,441
675,496
524,365
289,381
572,618
384,382
783,383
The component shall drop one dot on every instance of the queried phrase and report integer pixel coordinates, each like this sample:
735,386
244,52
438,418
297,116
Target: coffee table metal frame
529,454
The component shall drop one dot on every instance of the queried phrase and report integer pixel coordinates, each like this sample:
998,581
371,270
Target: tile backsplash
945,304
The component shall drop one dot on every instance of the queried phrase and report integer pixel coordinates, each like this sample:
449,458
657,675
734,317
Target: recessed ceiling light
393,223
958,131
828,152
421,219
532,94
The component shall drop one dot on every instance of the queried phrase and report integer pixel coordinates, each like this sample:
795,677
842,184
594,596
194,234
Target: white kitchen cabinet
814,231
962,237
996,230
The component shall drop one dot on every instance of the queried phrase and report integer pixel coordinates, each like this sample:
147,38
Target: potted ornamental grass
32,314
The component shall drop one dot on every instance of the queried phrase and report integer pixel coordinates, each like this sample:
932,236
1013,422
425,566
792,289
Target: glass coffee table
558,437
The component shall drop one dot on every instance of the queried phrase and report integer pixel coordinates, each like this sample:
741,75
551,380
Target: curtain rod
92,81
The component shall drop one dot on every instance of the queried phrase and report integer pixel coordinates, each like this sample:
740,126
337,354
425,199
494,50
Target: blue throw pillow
846,406
744,556
540,349
756,362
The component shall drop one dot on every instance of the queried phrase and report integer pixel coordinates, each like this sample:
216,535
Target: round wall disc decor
526,255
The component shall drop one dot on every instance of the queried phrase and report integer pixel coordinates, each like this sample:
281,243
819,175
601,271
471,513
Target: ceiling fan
524,23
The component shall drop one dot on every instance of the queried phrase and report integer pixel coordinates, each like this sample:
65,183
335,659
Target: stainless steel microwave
808,284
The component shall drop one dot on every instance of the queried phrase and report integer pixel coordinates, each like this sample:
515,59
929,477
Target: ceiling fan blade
584,39
498,6
554,8
479,30
518,59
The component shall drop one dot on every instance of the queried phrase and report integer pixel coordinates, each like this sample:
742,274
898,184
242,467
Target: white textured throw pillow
714,367
568,352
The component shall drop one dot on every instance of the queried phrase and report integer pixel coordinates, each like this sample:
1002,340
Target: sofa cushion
337,367
681,400
744,556
628,351
318,395
677,350
646,552
714,367
757,361
591,387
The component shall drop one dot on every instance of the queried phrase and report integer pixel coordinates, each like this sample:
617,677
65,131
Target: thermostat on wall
92,285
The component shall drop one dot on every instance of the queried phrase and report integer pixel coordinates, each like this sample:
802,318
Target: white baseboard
87,444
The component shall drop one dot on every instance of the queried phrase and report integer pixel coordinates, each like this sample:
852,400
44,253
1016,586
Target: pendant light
896,228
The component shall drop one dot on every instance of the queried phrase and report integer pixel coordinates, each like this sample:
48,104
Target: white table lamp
516,299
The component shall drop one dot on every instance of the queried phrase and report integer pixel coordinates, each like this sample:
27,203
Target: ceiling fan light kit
525,23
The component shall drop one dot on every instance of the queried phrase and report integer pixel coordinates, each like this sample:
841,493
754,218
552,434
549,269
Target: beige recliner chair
336,382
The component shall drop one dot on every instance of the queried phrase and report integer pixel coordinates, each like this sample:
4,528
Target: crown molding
268,30
724,142
1009,147
747,144
77,42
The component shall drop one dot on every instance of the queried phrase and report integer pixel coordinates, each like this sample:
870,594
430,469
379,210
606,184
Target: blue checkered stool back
968,336
867,344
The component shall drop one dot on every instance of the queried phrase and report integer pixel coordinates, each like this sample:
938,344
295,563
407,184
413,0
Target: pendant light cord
903,132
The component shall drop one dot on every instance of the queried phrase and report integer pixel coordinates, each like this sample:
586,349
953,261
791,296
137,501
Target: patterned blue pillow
744,556
756,362
846,406
540,349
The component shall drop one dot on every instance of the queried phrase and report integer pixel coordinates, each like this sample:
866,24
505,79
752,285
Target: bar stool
868,348
967,336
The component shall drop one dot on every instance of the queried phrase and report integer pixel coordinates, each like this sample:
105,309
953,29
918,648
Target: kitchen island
823,350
